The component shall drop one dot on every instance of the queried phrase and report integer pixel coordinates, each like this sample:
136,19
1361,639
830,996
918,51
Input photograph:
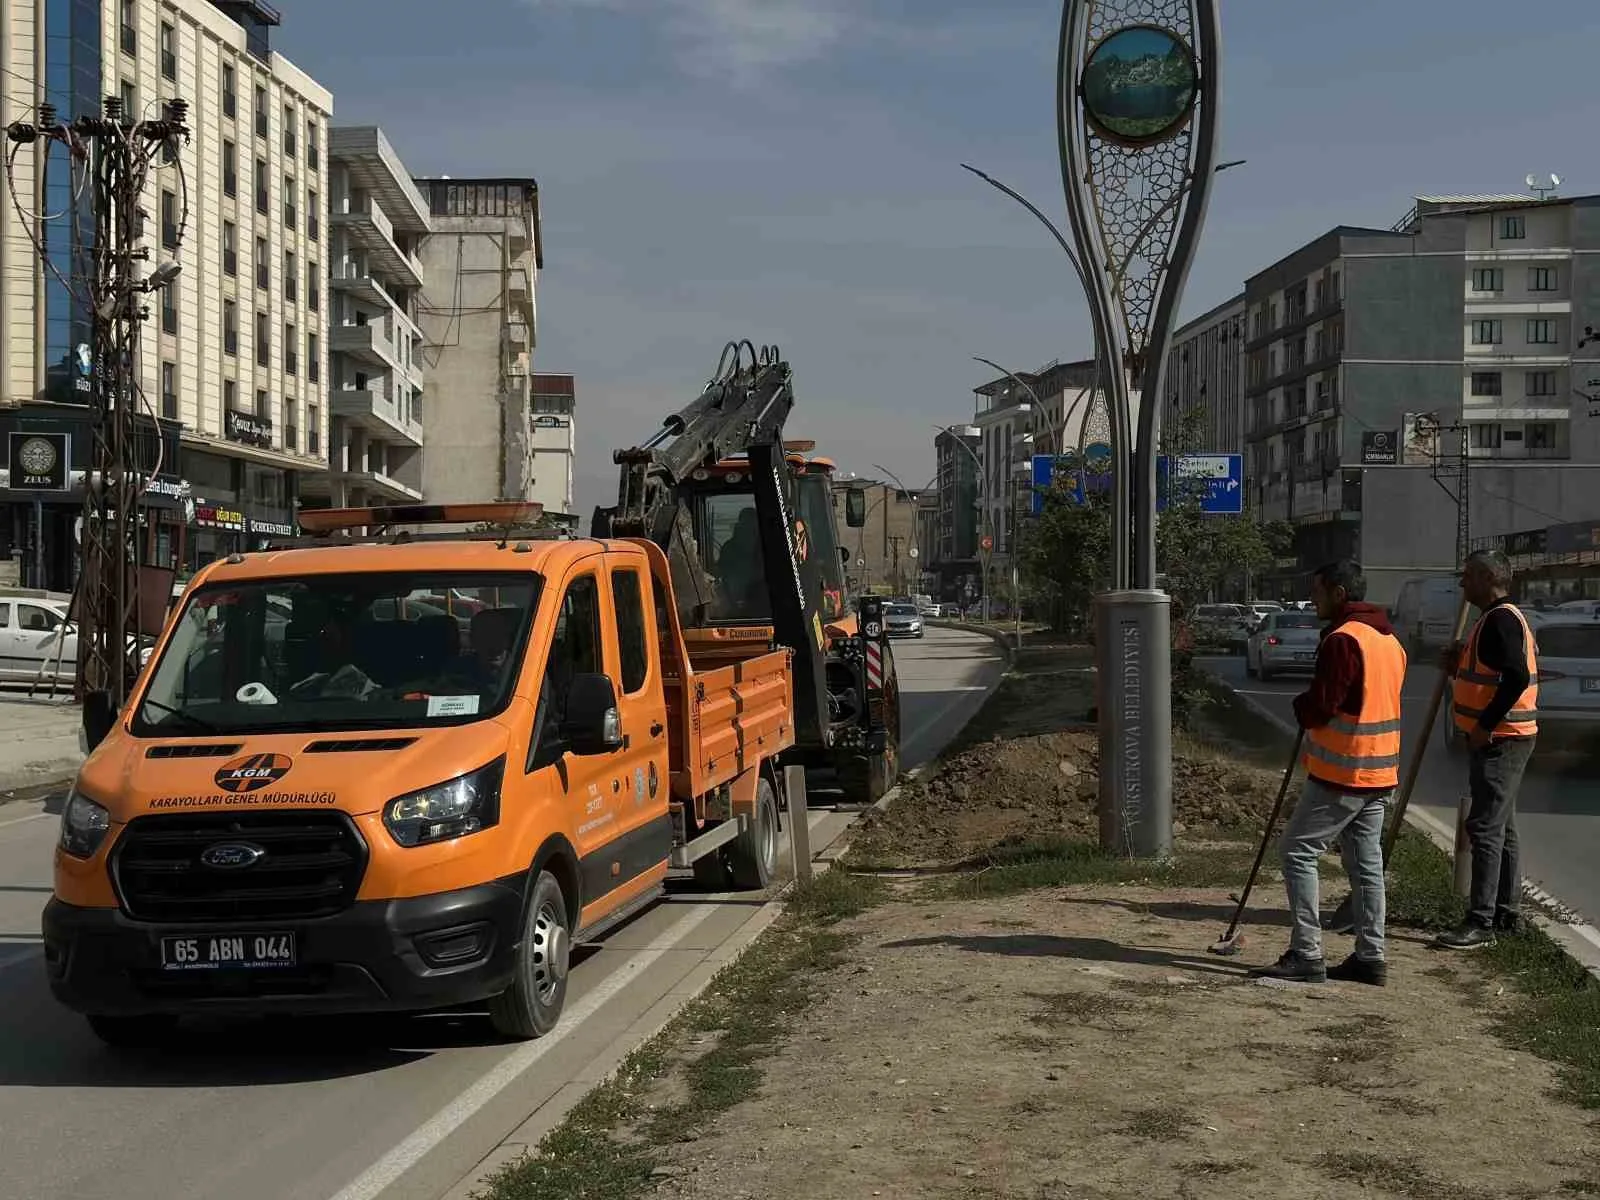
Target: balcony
385,486
354,277
375,414
366,225
366,343
520,336
519,293
376,169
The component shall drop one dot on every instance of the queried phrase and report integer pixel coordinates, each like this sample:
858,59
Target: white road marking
371,1182
22,820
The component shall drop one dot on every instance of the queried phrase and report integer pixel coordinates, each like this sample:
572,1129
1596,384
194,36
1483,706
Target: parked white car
1569,671
32,632
1285,642
1226,625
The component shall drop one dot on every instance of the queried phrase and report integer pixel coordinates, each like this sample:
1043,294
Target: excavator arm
741,412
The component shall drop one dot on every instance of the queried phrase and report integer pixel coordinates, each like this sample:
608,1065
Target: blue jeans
1325,814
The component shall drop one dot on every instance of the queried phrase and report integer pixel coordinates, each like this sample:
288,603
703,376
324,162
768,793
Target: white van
1425,611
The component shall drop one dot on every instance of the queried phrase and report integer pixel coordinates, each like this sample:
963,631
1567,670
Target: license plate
1305,657
228,952
1589,683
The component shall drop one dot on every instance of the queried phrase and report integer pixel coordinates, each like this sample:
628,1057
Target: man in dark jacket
1351,718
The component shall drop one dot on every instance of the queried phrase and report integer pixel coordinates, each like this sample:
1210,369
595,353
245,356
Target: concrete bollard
1463,850
794,791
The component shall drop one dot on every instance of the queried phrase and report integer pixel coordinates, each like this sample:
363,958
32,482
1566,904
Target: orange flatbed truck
329,796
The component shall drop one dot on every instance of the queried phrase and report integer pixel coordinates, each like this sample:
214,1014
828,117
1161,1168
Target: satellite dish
1532,180
1555,181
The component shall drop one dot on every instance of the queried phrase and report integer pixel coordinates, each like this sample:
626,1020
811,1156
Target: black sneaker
1508,922
1294,967
1342,919
1467,937
1361,970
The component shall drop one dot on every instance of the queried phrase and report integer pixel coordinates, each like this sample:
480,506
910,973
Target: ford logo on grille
230,856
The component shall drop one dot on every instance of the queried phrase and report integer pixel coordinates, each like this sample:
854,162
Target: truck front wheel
753,857
531,1006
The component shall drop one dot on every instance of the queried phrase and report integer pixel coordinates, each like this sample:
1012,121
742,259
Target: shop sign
39,461
1380,447
1574,538
217,517
174,489
548,422
83,375
251,429
270,528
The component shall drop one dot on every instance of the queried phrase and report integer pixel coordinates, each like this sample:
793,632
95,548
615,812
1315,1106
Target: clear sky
788,171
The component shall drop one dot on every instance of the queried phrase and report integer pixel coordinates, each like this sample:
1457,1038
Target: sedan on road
1285,642
902,620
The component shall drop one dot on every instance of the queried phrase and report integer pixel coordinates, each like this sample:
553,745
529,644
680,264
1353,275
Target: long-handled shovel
1233,941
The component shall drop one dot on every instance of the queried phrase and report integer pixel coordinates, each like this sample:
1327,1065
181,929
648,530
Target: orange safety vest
1364,751
1475,685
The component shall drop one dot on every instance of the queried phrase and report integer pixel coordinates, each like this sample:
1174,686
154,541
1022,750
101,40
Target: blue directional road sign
1093,474
1219,479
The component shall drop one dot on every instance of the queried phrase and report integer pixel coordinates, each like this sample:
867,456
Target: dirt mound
1043,785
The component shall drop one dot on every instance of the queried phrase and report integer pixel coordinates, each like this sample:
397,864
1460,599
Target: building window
291,278
130,28
169,308
1486,333
230,169
169,390
230,91
261,111
291,431
262,200
130,100
1486,435
263,272
1513,227
263,403
1486,383
313,290
1541,279
288,201
230,327
313,431
313,361
230,396
169,220
1540,435
263,340
169,51
230,248
1541,331
1488,279
291,350
311,145
1539,383
312,224
289,135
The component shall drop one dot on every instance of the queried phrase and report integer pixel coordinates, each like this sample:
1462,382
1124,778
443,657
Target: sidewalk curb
1579,939
1006,641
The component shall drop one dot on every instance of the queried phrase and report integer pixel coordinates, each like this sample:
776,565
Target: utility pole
1450,472
899,583
120,150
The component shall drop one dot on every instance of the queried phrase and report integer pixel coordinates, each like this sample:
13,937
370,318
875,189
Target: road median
974,967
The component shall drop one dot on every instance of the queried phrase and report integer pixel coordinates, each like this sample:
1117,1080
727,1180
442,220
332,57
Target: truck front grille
311,866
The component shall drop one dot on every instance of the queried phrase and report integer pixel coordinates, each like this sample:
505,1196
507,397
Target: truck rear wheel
531,1006
753,857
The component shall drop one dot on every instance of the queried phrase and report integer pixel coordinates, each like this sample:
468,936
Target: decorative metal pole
1137,92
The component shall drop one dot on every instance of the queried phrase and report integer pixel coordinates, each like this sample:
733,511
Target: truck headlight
84,825
466,804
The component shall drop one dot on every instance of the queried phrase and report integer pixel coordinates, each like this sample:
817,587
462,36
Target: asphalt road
356,1109
1558,810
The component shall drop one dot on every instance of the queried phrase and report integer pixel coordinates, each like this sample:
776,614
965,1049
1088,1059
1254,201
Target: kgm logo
252,772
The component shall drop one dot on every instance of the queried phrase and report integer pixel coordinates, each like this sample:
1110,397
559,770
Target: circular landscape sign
1139,85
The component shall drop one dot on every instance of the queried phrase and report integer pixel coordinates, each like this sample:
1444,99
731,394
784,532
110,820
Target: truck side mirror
855,508
593,725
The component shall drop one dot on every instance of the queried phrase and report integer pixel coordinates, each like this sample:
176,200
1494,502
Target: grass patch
609,1145
1398,1175
1163,1123
1556,1010
1026,864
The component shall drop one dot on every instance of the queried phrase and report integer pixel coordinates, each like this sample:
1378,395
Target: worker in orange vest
1494,700
1351,718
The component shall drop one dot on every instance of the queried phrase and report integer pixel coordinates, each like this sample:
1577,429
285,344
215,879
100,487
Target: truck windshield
367,651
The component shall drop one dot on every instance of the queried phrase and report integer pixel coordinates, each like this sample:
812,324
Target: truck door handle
656,728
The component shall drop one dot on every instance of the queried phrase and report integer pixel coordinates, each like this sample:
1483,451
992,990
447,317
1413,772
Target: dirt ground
1078,1044
1028,767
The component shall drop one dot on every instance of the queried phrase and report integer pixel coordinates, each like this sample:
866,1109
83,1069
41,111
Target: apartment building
378,220
555,441
479,322
1471,314
1205,375
229,362
954,556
